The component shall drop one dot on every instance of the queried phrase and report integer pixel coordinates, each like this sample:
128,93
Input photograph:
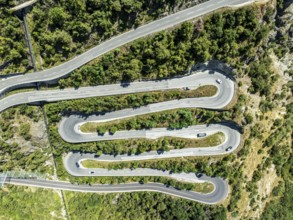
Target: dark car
198,175
229,148
201,134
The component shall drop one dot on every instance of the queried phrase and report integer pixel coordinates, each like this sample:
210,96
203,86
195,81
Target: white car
219,81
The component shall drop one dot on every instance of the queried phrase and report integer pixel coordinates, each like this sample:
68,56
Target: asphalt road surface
69,127
69,131
72,161
153,27
203,77
230,143
219,193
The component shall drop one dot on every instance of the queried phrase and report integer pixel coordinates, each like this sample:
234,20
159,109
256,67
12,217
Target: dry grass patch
209,141
203,187
203,91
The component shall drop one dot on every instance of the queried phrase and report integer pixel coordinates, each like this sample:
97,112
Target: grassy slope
140,205
29,203
22,149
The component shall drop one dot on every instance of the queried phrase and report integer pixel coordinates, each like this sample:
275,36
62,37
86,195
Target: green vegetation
29,203
172,119
112,103
162,144
153,120
231,37
281,44
281,208
24,131
141,205
7,117
262,77
30,112
281,156
62,29
224,168
198,187
176,165
141,145
13,158
160,164
166,118
19,149
13,52
237,37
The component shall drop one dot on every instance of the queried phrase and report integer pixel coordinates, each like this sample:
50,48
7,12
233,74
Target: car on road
229,148
198,175
186,88
219,81
77,164
160,151
201,134
92,172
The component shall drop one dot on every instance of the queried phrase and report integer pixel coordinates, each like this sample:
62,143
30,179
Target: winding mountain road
69,131
231,142
69,127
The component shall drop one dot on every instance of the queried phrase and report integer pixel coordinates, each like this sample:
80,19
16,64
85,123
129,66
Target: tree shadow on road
215,66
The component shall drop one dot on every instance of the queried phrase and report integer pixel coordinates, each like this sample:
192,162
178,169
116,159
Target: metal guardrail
3,177
21,174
